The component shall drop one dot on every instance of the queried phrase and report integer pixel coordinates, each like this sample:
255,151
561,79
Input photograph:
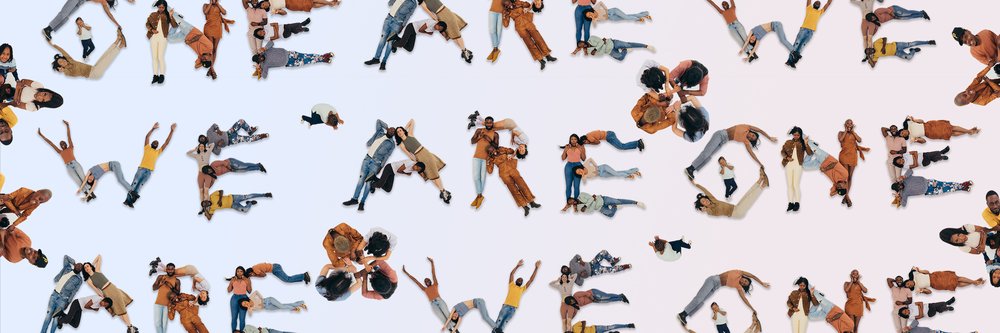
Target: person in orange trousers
523,14
187,306
503,158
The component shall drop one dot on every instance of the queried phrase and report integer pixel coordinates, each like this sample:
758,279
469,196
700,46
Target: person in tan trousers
187,306
524,24
503,158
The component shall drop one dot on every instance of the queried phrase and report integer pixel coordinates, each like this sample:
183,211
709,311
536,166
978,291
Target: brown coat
524,24
189,313
796,147
807,301
639,110
164,24
503,158
352,235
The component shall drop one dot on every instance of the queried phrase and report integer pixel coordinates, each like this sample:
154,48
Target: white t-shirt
916,130
84,34
908,159
974,238
406,164
93,298
429,22
62,281
720,319
201,285
323,109
670,255
520,138
727,173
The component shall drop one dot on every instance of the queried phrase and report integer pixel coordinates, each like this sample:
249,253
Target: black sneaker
642,145
475,115
933,42
926,17
372,62
307,21
631,325
361,207
307,278
917,49
47,32
790,207
252,202
534,205
689,172
625,299
550,58
261,167
542,62
268,195
381,67
156,79
682,317
526,210
796,208
945,150
351,202
152,271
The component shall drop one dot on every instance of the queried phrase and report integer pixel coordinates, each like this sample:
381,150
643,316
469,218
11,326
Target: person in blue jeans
614,48
399,13
515,290
232,136
260,270
590,169
809,24
574,153
572,304
582,327
240,286
582,25
151,152
588,269
68,283
604,204
883,48
595,137
380,146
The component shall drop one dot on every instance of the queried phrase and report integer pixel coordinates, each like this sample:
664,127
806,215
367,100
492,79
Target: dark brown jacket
796,147
807,301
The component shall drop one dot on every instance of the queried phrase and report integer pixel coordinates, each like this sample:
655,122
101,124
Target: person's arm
415,281
158,282
565,149
107,11
752,154
192,153
63,52
533,274
434,277
150,133
743,296
247,4
409,126
97,263
49,141
69,136
514,271
583,152
677,130
828,3
407,152
755,278
249,284
169,136
229,288
715,5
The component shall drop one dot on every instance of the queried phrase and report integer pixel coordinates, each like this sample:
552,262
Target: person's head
428,282
240,271
574,140
898,280
521,152
40,197
170,269
46,98
659,245
441,26
564,270
258,33
796,133
816,4
871,17
701,202
802,283
897,187
715,306
993,240
909,284
589,14
653,78
753,138
747,284
722,160
202,139
390,133
693,121
955,236
869,52
205,60
59,63
79,21
893,130
995,278
6,133
841,187
35,257
381,284
77,268
419,167
161,6
965,97
725,5
904,312
245,303
964,37
898,161
112,3
519,282
692,76
63,145
579,171
904,133
202,297
265,5
378,244
488,123
335,285
107,303
855,275
258,58
87,270
6,90
155,144
6,52
752,39
571,301
208,171
401,134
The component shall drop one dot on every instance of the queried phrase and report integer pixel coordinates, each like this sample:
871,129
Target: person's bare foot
975,130
980,281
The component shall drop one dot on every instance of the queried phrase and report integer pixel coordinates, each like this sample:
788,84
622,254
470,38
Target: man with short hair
515,289
430,289
483,138
15,246
872,21
992,212
831,167
210,173
984,88
22,203
232,135
884,48
895,142
166,287
151,152
809,25
68,282
504,159
239,202
380,147
982,46
572,304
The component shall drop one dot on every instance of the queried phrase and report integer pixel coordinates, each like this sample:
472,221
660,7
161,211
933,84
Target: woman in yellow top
813,13
239,202
581,327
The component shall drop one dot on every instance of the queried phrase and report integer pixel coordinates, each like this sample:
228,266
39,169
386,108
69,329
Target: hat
957,34
42,260
651,114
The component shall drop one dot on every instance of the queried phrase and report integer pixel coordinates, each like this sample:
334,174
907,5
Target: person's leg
392,28
779,30
495,28
383,39
738,32
905,14
749,198
313,119
578,18
240,166
104,62
609,328
88,47
158,49
613,141
272,303
366,171
797,181
479,174
279,273
730,186
116,168
568,176
711,284
234,309
54,301
506,313
678,245
75,171
603,297
64,13
160,318
440,309
800,41
141,176
483,312
719,138
606,171
932,157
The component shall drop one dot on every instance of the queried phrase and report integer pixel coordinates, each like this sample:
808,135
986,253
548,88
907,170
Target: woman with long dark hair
799,303
969,238
428,164
29,95
7,63
793,153
158,24
574,154
115,300
65,64
240,285
741,281
693,117
337,284
215,22
686,75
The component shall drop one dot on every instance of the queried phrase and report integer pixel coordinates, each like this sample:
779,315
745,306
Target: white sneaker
651,48
641,205
685,240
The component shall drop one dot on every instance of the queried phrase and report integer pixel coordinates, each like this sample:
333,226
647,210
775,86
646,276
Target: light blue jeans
281,275
619,49
239,203
905,14
903,49
368,168
496,28
392,26
506,313
737,30
440,309
603,297
803,38
611,205
614,142
239,166
273,304
160,319
615,14
75,171
140,178
479,174
606,171
609,328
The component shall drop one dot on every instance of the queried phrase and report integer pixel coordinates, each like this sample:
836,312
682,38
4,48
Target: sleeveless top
412,145
99,280
240,287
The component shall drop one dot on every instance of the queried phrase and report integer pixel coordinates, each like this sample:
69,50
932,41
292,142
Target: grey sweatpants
712,284
719,138
63,16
